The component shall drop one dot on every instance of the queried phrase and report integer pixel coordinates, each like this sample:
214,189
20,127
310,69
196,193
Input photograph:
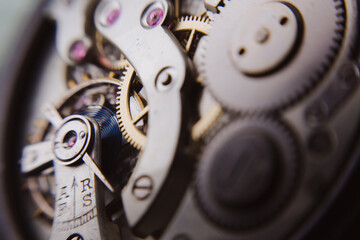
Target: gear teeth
324,64
126,127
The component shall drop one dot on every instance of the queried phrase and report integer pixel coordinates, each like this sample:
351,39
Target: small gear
268,59
189,31
247,172
109,56
132,109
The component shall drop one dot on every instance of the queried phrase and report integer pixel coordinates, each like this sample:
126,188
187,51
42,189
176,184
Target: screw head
142,187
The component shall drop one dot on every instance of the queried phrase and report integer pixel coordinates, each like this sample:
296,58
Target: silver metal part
72,139
288,80
72,43
191,119
35,156
92,165
270,31
79,207
161,51
52,115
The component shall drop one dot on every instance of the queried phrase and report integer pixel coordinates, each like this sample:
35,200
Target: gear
246,173
267,59
109,56
133,128
189,31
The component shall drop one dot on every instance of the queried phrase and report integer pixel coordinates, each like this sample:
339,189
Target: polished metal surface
182,120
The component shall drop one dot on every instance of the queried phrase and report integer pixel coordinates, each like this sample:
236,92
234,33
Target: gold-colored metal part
71,83
86,77
193,25
212,5
119,64
127,122
177,8
206,122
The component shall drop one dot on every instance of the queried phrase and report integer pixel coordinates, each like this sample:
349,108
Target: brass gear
113,64
189,30
127,122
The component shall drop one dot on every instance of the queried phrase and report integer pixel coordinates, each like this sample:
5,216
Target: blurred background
13,18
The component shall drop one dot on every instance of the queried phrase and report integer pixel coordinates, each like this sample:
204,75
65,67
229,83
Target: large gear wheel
128,96
251,76
256,152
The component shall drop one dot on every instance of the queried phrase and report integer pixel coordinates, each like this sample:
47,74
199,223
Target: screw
142,187
78,50
155,17
110,13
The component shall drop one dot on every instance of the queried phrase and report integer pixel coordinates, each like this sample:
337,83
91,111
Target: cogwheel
109,56
274,53
132,109
189,30
247,172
